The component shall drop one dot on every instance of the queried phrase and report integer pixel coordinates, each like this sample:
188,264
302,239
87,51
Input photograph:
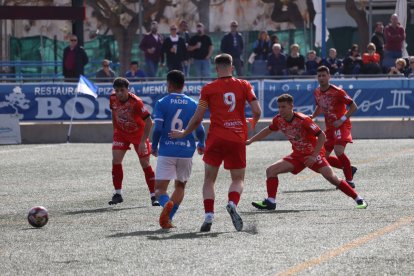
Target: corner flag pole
71,117
323,50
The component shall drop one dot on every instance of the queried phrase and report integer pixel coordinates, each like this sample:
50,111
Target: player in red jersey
307,141
132,124
225,98
333,101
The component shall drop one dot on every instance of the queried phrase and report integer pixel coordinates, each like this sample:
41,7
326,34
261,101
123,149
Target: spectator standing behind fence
105,74
134,73
394,35
175,50
74,60
295,62
201,48
261,50
352,64
371,61
232,44
276,62
378,39
151,44
332,62
183,32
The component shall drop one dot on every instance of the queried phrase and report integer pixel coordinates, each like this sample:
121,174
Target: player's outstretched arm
200,133
318,110
311,159
257,112
147,129
156,136
352,108
192,125
259,136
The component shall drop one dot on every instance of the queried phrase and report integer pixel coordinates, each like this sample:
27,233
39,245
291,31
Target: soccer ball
38,216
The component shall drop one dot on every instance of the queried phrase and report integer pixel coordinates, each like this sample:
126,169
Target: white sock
358,198
271,200
152,194
232,203
118,191
208,217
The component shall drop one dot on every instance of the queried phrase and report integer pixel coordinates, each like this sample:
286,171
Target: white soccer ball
38,216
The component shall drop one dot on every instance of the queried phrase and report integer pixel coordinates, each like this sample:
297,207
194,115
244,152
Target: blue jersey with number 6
173,112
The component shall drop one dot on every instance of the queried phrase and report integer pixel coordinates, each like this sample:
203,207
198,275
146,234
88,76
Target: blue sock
174,210
163,199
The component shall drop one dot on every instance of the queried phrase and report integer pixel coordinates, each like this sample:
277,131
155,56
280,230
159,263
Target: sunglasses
106,65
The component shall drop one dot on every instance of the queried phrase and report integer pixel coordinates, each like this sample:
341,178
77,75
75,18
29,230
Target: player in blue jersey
173,112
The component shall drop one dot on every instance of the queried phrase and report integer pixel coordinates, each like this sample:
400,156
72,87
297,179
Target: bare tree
203,7
124,22
359,15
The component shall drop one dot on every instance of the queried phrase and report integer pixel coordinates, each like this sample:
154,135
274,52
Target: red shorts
337,136
122,142
218,150
298,161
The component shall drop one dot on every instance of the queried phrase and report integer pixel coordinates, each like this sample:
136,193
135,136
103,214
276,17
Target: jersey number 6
177,123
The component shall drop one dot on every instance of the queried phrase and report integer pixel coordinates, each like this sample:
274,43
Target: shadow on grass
310,191
102,210
163,234
269,212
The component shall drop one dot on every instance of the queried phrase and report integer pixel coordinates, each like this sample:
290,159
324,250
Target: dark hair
176,78
223,59
120,82
134,62
354,47
285,98
323,68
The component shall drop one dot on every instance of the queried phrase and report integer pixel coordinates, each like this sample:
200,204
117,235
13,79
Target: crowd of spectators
182,51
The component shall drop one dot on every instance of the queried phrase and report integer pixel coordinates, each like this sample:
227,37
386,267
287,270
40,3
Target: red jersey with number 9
128,117
226,100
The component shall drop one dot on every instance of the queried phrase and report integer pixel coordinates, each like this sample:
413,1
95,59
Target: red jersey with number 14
129,116
226,100
333,103
301,132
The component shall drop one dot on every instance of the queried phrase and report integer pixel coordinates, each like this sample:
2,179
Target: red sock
150,179
346,189
346,166
235,197
272,183
334,162
117,176
209,205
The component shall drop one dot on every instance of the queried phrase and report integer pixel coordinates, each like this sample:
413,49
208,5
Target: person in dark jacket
232,44
151,45
74,60
175,50
378,39
276,62
352,64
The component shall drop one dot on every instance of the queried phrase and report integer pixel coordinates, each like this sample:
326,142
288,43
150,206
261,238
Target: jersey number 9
230,100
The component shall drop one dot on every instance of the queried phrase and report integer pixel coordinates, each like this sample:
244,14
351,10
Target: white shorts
173,168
